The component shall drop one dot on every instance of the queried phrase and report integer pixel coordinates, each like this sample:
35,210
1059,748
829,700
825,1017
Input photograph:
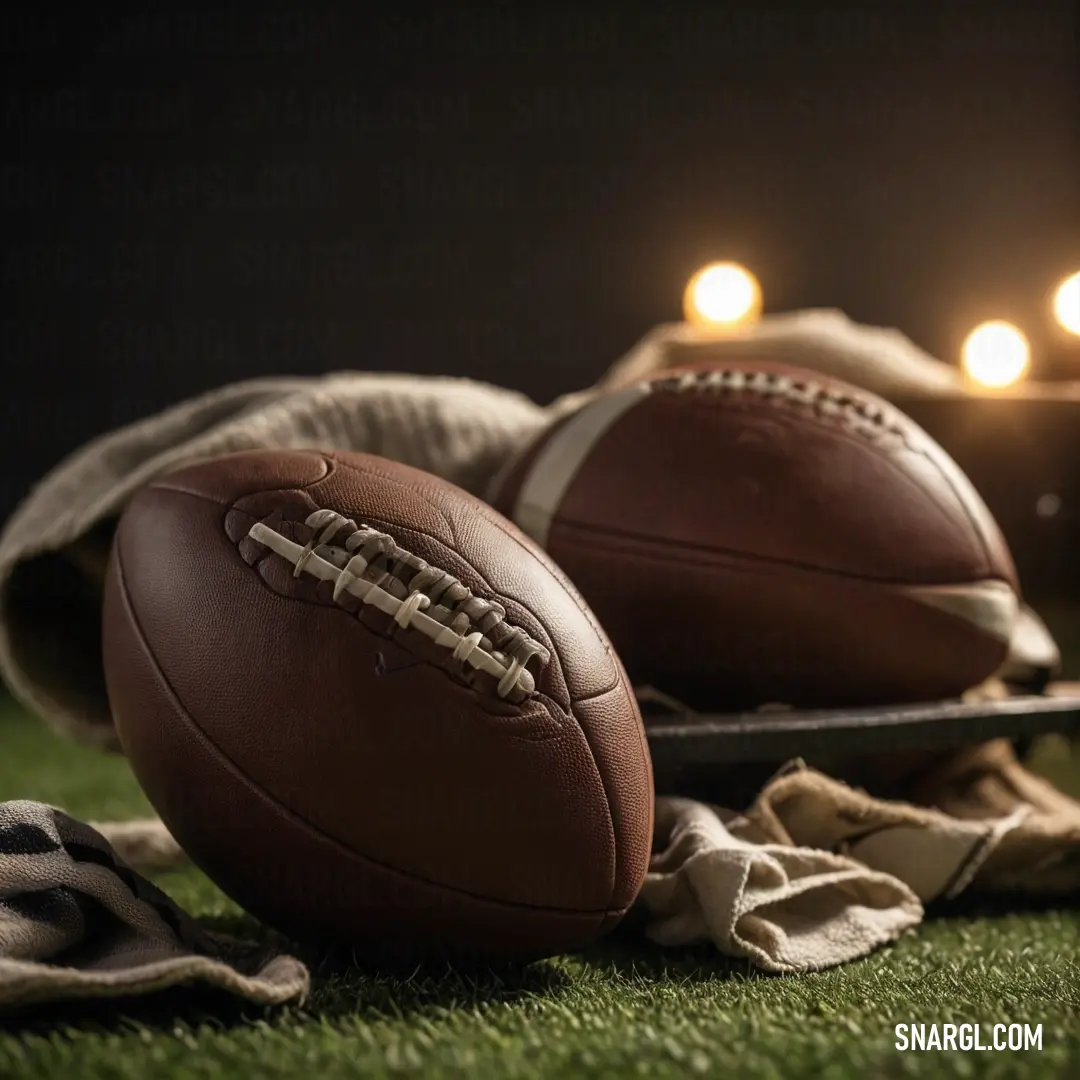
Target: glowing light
996,354
1067,304
722,295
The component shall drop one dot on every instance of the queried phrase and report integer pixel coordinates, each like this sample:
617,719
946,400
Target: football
373,711
756,534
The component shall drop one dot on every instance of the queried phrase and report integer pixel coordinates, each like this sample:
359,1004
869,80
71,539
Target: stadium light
996,354
1067,304
722,295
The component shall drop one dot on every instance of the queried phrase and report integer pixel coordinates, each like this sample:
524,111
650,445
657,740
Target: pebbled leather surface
738,548
285,742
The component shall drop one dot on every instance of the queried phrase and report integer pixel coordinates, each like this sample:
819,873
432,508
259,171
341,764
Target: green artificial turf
624,1008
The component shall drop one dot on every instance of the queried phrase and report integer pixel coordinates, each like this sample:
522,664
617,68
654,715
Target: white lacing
830,401
430,600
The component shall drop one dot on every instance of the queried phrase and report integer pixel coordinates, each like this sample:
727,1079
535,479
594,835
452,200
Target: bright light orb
722,295
996,354
1067,304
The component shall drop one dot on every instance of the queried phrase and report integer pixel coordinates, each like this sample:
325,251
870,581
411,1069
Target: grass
622,1009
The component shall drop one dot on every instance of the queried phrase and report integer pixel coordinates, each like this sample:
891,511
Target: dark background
190,199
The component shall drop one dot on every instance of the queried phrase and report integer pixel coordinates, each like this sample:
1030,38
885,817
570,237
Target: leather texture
742,548
336,779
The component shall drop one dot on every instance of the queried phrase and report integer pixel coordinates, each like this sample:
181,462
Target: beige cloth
785,908
816,873
879,359
77,922
792,884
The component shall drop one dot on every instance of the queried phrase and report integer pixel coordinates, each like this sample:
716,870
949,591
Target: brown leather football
372,710
760,534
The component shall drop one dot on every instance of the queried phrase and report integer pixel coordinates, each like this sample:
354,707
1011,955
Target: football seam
540,697
563,716
976,529
549,569
502,649
552,568
769,388
655,549
645,762
297,819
